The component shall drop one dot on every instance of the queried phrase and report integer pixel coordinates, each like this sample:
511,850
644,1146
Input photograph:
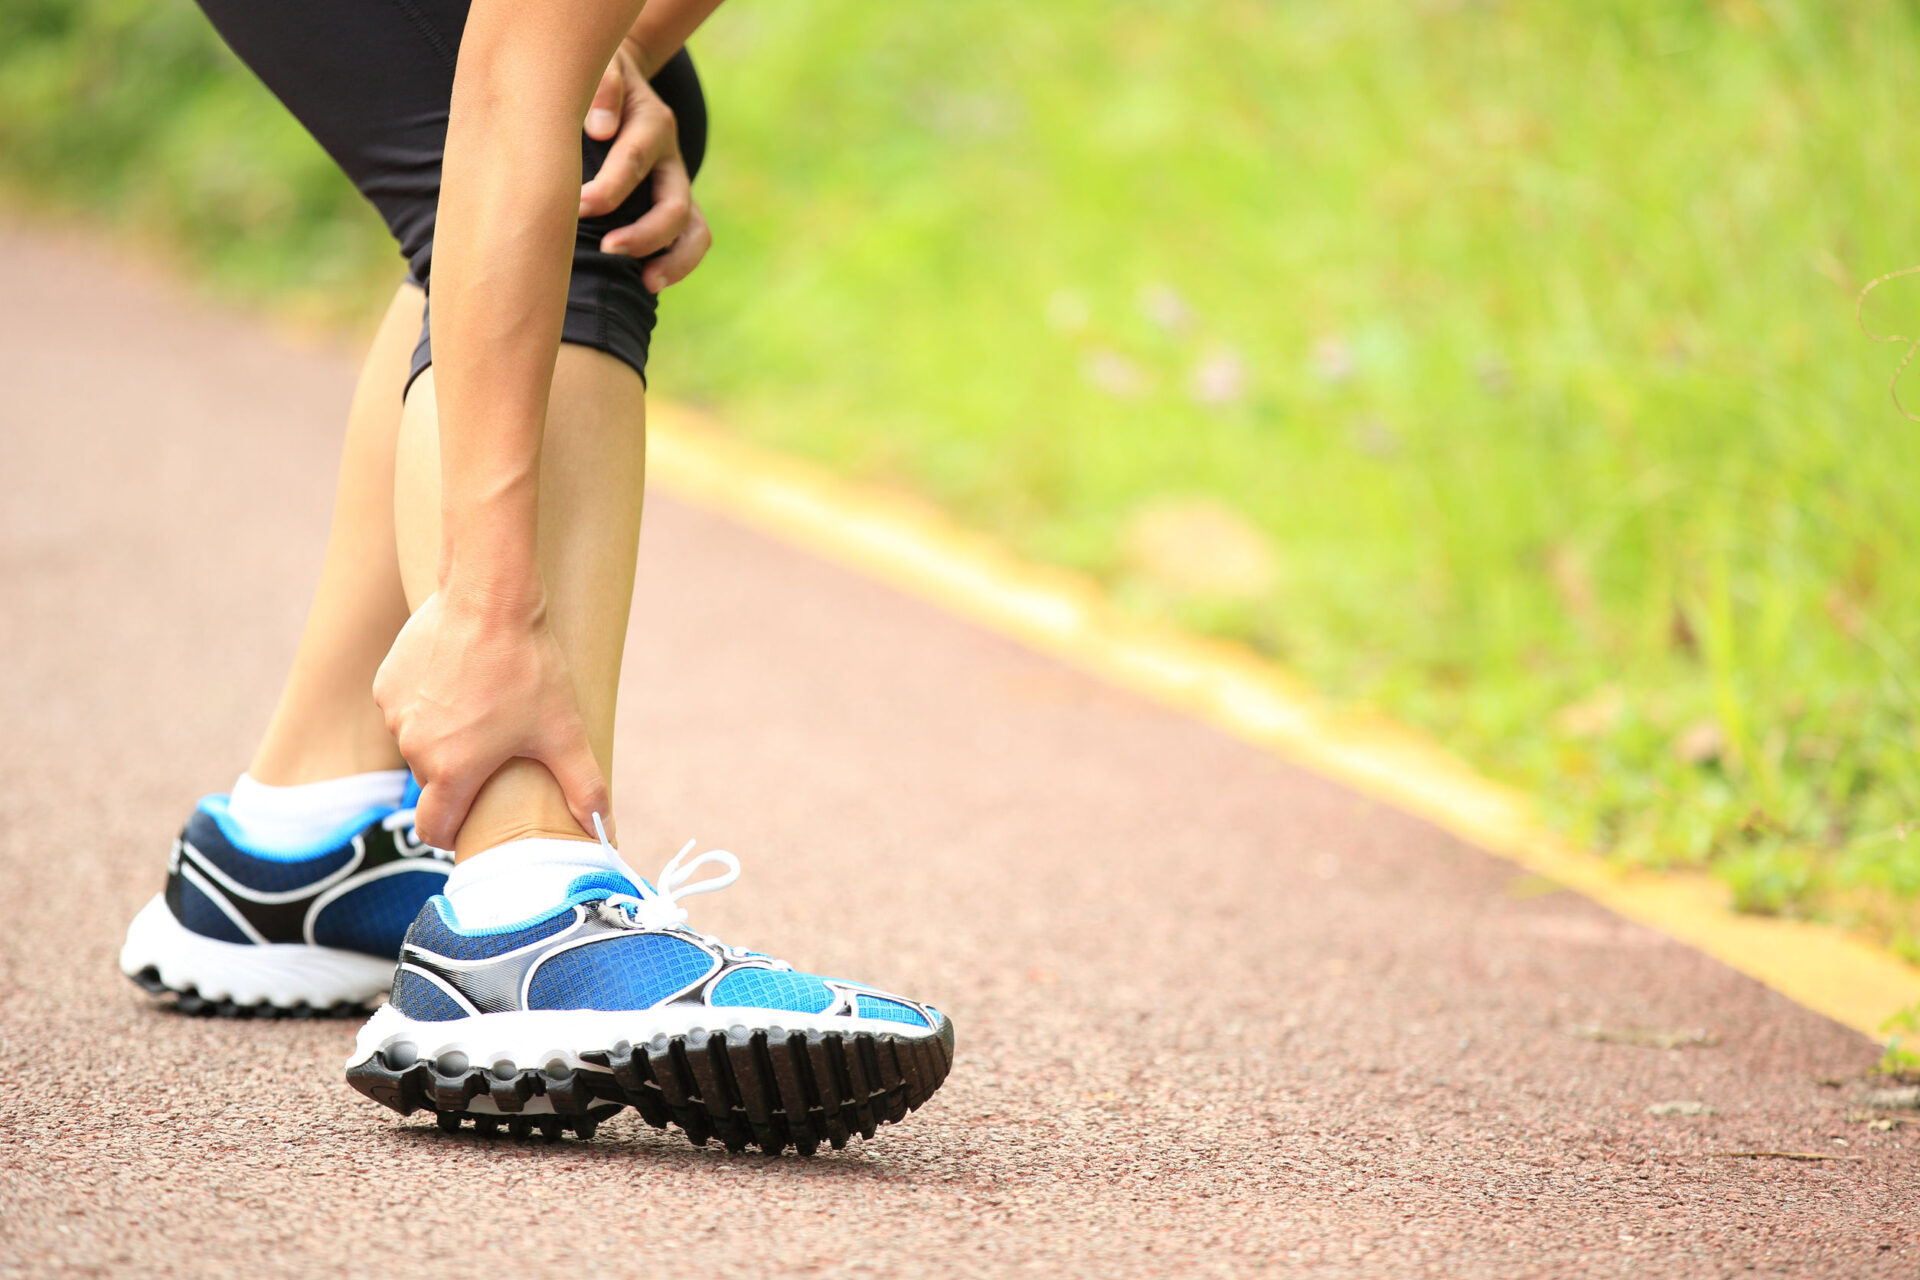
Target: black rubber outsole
192,1003
771,1089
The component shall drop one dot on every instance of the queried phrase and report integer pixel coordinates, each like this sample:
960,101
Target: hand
472,682
646,143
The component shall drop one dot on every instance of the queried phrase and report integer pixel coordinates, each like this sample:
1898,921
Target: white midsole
277,973
530,1039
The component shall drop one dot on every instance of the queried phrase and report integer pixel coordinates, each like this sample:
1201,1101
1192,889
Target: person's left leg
326,724
293,892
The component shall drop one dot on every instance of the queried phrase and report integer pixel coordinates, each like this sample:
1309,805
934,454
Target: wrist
493,596
648,64
489,565
488,518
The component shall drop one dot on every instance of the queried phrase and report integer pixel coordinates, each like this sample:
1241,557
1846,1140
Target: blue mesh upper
772,989
202,915
374,917
430,932
627,971
599,884
887,1010
421,1000
265,875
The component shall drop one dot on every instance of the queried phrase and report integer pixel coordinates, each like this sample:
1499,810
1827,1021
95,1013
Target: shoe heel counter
425,925
424,998
205,911
174,895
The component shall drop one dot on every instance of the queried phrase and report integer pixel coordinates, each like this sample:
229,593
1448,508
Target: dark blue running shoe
606,999
241,933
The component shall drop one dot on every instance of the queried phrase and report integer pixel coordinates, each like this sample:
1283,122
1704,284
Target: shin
592,474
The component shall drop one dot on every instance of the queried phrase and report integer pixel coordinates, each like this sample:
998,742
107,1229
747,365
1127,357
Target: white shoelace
403,819
657,905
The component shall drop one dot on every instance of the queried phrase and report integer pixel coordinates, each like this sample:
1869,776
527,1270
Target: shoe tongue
602,882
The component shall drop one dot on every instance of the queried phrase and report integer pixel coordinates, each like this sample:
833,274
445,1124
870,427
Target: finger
442,809
386,686
603,117
662,224
681,257
575,768
647,135
383,693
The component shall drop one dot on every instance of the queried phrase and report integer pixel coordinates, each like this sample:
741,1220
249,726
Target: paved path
1216,1016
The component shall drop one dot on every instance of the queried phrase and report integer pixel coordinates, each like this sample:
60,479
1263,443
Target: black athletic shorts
371,80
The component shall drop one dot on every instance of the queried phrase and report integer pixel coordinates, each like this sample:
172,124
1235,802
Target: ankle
515,881
478,838
314,760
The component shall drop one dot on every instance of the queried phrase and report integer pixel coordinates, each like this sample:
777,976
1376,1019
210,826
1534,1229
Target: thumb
603,117
574,767
442,809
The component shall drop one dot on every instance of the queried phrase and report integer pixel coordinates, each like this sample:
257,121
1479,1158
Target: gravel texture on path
1217,1017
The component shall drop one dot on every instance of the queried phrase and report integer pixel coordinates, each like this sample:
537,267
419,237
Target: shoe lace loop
403,822
657,903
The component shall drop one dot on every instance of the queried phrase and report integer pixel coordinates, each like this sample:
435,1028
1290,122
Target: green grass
1518,339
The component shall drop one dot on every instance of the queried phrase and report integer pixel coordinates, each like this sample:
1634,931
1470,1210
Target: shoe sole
770,1088
211,978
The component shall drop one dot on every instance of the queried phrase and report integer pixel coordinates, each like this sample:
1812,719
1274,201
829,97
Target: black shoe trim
190,1001
375,847
771,1089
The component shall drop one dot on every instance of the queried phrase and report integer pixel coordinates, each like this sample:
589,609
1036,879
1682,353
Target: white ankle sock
276,819
521,878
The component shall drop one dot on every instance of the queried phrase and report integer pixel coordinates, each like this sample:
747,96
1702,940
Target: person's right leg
592,477
371,81
549,985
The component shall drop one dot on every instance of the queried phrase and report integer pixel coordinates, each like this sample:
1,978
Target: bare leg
592,474
326,724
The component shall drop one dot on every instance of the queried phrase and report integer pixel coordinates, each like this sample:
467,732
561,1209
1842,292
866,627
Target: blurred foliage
1511,344
133,110
1899,1059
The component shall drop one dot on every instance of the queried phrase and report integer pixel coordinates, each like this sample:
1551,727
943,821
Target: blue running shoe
238,933
607,999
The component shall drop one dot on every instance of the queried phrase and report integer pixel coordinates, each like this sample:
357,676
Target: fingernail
583,208
608,246
600,119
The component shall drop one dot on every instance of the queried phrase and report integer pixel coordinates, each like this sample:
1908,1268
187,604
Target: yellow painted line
912,546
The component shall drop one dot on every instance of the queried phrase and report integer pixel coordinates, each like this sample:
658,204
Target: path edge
912,546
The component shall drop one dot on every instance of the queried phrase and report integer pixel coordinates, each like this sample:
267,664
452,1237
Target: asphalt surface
1216,1016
